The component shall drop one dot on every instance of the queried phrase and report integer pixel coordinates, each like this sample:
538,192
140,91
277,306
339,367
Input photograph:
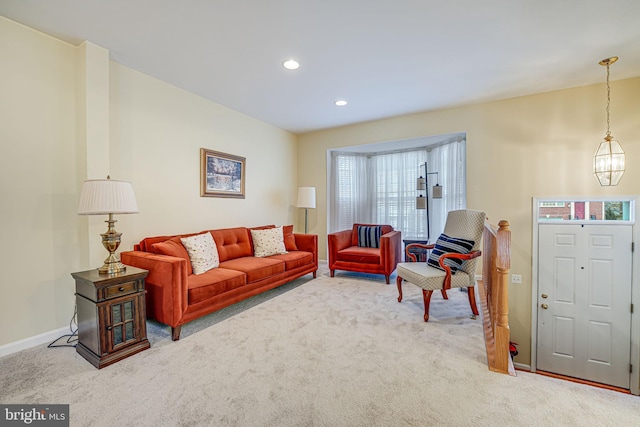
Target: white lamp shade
107,196
306,197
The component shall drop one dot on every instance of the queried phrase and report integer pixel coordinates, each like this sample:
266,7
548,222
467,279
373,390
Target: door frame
634,375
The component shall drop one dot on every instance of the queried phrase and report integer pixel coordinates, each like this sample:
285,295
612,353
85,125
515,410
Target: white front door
584,301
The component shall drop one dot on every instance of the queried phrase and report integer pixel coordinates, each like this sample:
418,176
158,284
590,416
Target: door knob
545,306
545,296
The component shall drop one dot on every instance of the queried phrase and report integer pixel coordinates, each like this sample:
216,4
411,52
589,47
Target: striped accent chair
366,248
452,261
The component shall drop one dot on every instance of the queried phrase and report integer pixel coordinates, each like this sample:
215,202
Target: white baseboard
44,338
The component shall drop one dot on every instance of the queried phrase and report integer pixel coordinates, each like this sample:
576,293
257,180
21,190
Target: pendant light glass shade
609,162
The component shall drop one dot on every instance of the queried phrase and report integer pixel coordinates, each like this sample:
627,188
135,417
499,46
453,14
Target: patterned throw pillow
268,242
203,252
369,236
446,244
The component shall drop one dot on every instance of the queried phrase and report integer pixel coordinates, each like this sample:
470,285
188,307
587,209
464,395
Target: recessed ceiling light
341,103
291,64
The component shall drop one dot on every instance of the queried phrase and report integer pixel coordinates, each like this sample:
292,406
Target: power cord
72,338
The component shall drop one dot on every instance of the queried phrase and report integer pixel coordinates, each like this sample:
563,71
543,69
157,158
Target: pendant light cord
608,102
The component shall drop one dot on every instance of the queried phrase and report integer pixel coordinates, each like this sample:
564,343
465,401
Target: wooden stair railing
494,296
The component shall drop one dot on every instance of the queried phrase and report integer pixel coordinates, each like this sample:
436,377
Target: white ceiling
385,57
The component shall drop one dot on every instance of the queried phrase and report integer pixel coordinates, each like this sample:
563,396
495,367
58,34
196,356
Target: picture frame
221,174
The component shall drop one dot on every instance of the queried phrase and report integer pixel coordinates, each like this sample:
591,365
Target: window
585,210
380,188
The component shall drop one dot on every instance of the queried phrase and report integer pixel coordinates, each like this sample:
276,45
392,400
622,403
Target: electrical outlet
516,278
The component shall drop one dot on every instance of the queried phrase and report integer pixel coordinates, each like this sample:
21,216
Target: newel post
503,264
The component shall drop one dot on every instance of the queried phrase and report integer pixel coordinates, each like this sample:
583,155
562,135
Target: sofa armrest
390,250
308,243
167,297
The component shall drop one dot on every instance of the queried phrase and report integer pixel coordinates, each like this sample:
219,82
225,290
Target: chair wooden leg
426,295
444,294
387,279
472,300
332,272
399,285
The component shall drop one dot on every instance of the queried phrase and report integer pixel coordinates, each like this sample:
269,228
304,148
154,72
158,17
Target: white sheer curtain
449,160
380,188
350,184
395,191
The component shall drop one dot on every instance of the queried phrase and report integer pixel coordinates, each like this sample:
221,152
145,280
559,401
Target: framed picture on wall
221,174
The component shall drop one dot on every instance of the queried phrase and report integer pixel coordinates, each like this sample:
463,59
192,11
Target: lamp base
112,265
111,241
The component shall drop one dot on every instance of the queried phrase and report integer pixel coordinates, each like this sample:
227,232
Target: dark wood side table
111,315
420,253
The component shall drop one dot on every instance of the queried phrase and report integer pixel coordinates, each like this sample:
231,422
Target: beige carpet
326,352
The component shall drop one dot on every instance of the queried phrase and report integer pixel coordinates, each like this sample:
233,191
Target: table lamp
108,197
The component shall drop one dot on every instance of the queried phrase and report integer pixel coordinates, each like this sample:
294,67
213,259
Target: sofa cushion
268,242
289,238
212,283
295,259
360,255
175,249
446,244
369,236
255,268
232,243
202,252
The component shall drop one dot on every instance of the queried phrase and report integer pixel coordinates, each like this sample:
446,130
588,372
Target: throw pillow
289,238
369,236
175,249
203,252
446,244
268,242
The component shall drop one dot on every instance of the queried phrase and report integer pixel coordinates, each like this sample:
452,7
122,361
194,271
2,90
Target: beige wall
533,146
157,131
52,129
38,182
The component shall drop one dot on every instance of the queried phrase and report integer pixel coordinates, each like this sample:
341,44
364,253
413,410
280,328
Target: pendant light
609,161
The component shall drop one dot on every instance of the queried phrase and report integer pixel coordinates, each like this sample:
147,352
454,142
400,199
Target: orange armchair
346,254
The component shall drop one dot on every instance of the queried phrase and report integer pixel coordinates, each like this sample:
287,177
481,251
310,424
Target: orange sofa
345,254
176,296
